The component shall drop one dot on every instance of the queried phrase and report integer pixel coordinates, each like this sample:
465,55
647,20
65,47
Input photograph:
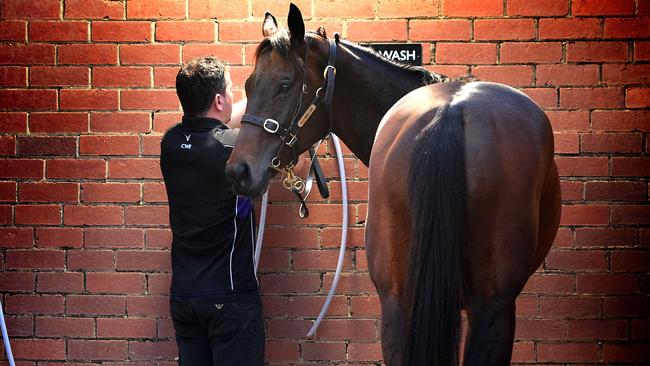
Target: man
215,300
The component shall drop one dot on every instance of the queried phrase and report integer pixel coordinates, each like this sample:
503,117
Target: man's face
227,108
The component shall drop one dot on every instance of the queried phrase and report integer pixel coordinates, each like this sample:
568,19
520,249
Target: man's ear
270,25
296,26
219,102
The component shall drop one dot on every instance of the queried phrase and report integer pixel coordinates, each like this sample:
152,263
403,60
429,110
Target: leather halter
289,134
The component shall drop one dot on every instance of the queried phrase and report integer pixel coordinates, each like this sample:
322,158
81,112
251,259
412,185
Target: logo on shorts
219,306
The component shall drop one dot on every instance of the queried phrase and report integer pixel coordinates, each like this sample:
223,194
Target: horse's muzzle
239,175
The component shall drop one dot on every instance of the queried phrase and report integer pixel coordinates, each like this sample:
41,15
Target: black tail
438,207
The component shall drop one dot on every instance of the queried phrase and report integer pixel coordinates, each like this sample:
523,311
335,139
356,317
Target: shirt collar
201,122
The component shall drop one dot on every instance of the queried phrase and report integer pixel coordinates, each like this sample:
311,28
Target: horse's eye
285,86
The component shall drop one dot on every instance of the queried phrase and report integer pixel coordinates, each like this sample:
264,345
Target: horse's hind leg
387,238
392,329
490,333
386,271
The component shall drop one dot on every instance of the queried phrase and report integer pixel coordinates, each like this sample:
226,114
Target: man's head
204,88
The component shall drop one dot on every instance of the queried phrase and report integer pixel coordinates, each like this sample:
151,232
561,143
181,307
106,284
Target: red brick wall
87,91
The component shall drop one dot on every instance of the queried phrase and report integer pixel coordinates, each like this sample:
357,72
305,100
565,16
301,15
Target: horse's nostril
239,174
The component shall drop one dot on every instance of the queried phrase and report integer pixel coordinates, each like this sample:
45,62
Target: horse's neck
365,90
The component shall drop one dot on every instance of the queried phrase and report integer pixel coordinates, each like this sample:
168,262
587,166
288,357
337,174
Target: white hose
260,230
344,237
5,337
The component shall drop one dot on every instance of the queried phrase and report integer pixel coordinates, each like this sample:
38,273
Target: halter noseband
289,135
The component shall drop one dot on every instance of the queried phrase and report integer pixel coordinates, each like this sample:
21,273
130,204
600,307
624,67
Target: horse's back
488,108
504,130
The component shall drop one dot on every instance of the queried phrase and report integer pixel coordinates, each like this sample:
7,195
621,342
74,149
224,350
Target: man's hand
238,110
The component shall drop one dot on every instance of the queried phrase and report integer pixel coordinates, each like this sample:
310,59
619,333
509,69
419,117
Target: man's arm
238,110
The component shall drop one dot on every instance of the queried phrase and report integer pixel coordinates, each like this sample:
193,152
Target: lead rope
5,337
303,211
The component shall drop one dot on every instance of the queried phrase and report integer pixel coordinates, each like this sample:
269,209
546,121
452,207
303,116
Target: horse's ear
296,25
270,25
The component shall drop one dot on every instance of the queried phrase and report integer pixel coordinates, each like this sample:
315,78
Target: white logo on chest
187,146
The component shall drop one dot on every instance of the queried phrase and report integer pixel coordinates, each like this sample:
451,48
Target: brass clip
292,182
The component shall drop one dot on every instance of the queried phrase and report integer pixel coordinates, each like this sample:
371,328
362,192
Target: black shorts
213,333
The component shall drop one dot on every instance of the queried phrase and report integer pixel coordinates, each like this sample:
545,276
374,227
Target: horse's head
289,69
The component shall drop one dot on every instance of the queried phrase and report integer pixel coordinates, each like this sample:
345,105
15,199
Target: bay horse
464,197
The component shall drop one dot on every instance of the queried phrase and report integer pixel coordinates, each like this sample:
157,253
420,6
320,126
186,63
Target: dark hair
198,82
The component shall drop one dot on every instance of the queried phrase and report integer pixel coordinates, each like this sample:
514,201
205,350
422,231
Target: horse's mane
281,42
428,77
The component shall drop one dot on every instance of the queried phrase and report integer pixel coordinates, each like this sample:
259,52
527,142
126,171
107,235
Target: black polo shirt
212,227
